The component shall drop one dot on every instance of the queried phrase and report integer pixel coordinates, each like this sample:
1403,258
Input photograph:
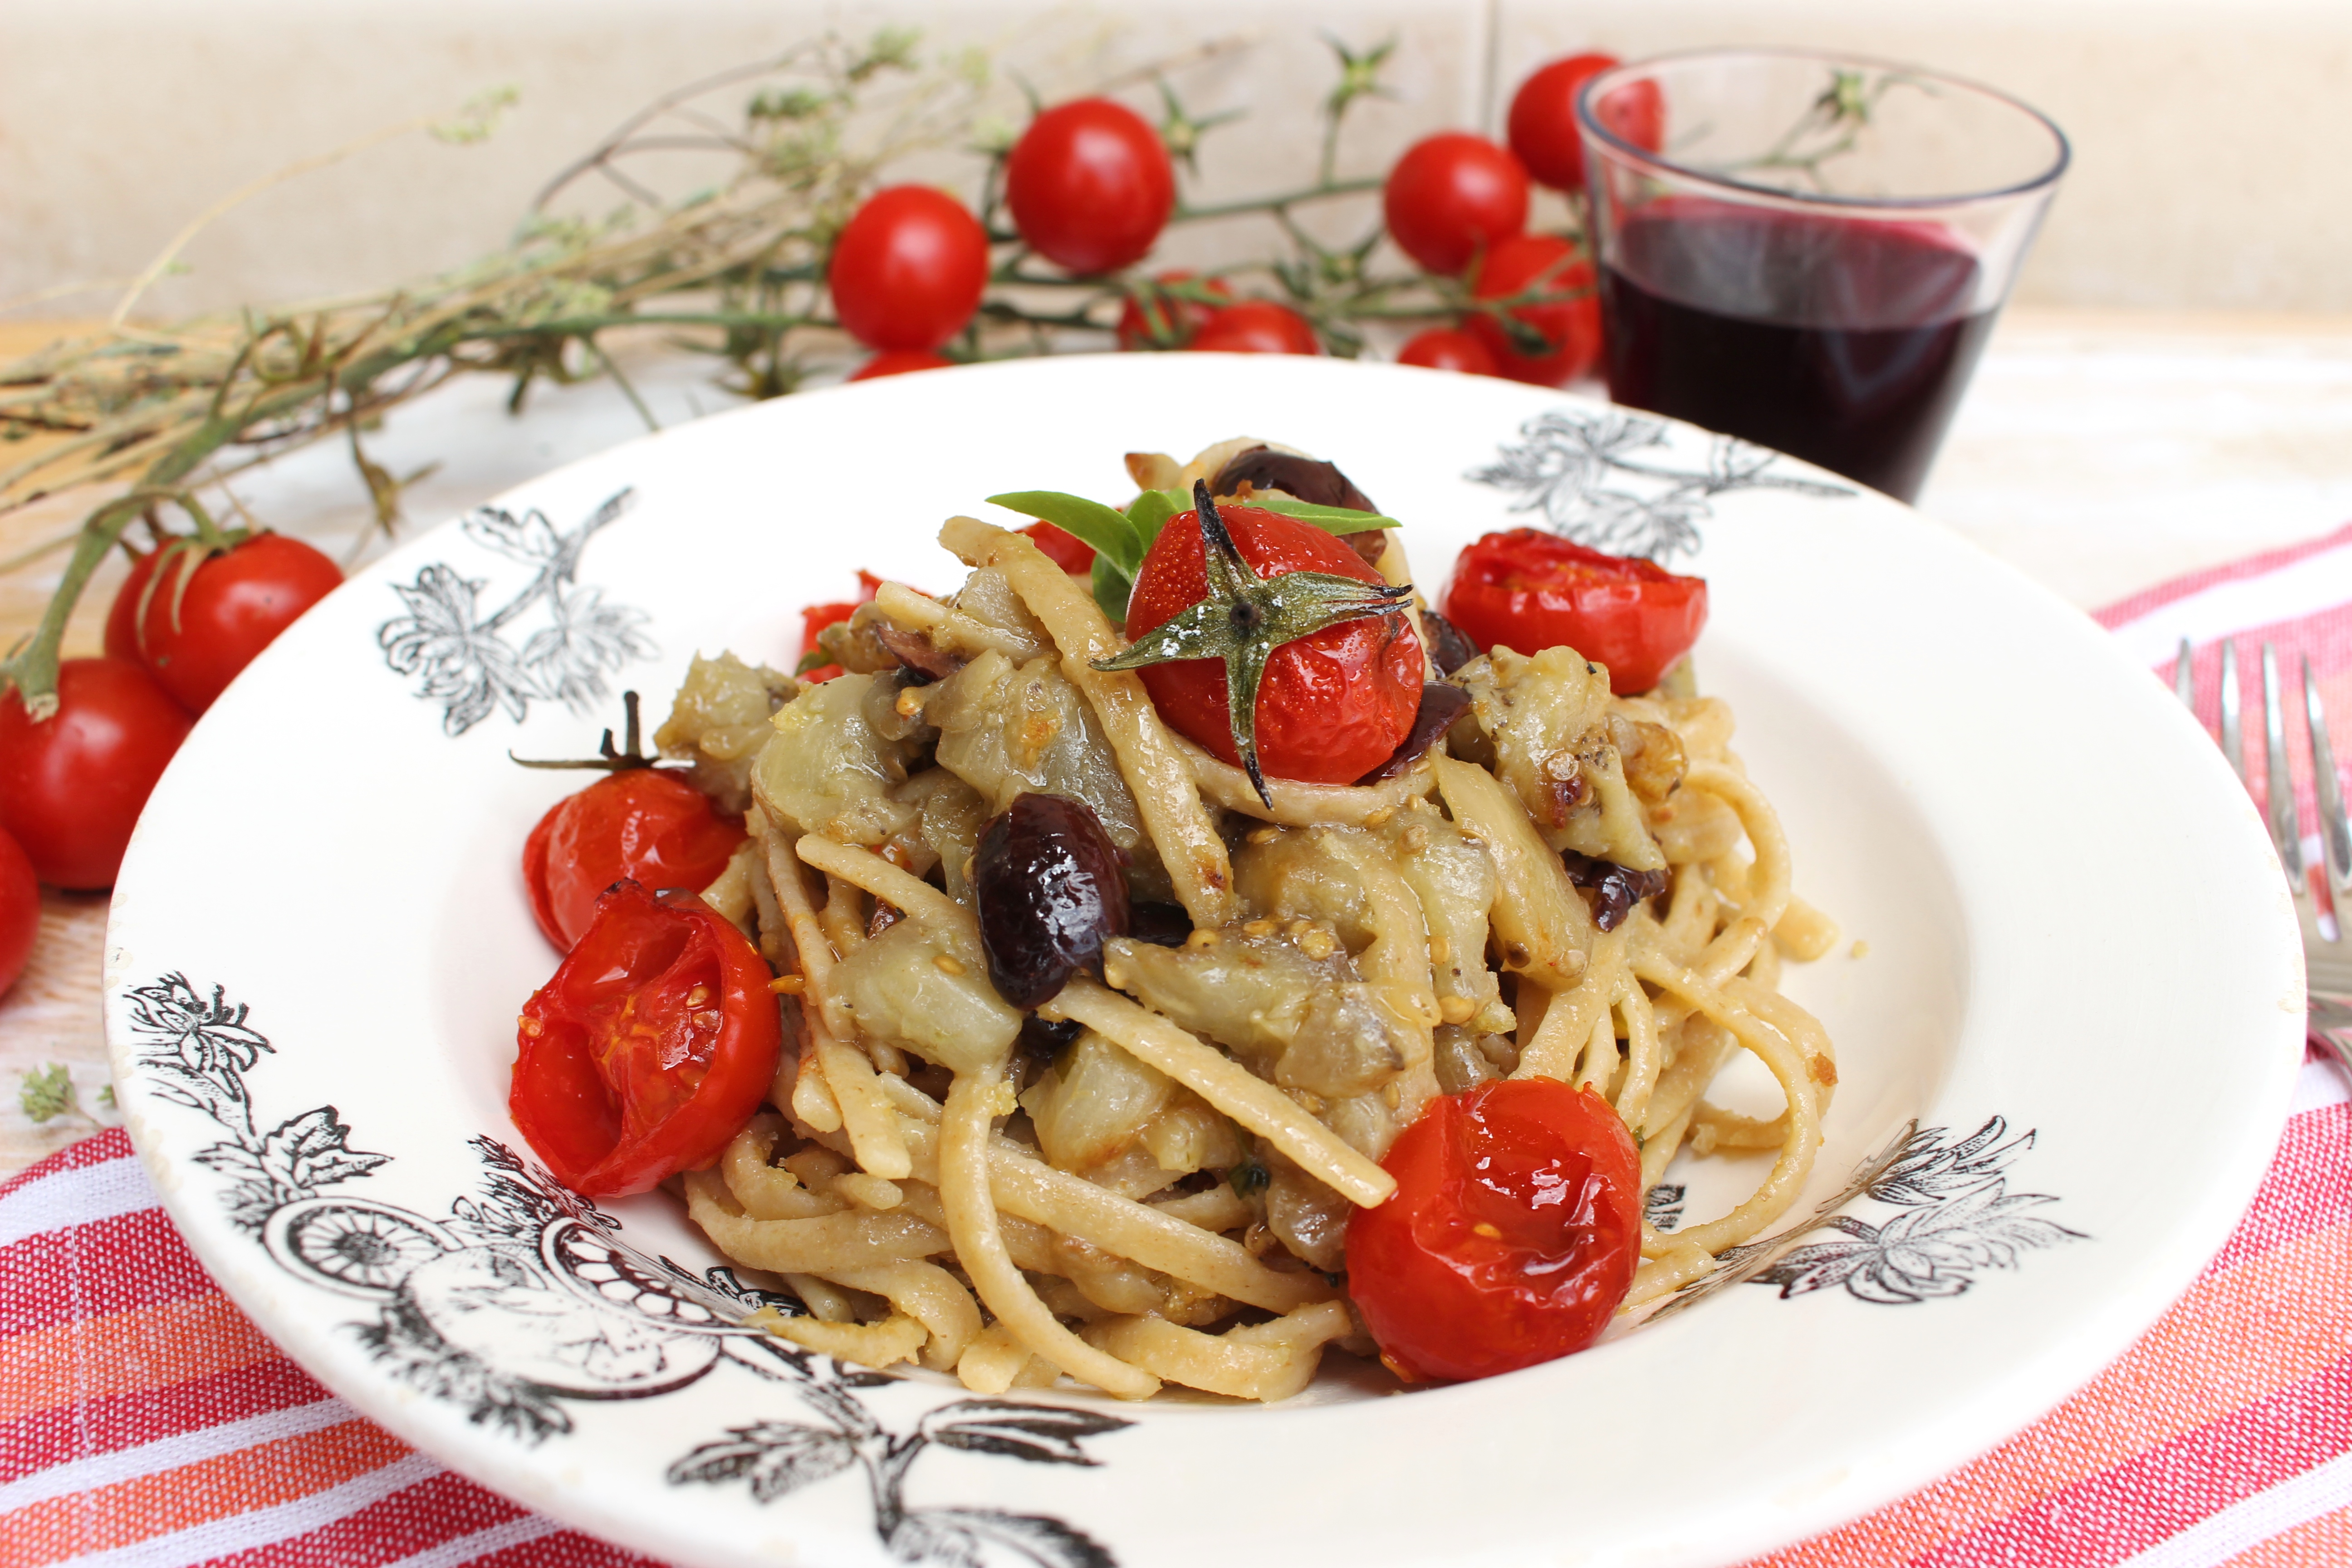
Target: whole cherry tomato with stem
1513,1234
653,1043
123,613
1527,590
1452,196
1332,702
1154,318
909,270
204,608
20,911
72,784
1256,327
899,362
1569,327
1542,125
1448,348
1090,185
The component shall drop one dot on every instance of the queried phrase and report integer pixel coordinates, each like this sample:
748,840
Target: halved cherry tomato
1256,327
1530,590
208,616
1333,706
1063,548
1528,263
640,824
1444,348
651,1046
900,361
20,911
72,786
1513,1234
1453,195
816,617
1167,322
1090,185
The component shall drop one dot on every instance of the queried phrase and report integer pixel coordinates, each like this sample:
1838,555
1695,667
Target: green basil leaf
1330,519
1106,528
1112,588
1149,512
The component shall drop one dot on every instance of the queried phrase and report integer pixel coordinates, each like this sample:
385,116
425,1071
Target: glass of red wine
1808,250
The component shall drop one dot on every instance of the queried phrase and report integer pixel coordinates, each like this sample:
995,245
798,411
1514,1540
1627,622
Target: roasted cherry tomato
1513,1234
899,362
1528,590
208,616
1256,327
1164,322
1090,185
816,617
1443,348
1542,126
1333,706
1063,548
640,824
1452,196
909,270
652,1045
1526,262
71,786
20,911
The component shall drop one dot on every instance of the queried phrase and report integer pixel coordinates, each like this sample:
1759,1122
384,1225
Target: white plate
2082,978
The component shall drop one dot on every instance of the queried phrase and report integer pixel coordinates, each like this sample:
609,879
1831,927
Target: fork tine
2286,829
2335,831
2233,720
2183,682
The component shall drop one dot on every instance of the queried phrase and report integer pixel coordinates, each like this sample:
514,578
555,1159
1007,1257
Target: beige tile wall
2213,135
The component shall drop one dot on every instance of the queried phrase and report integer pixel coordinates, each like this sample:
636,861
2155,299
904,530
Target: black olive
1161,925
1041,1042
1439,705
1316,483
1449,649
1048,887
1616,889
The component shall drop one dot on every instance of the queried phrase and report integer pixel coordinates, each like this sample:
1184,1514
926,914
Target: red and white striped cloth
143,1420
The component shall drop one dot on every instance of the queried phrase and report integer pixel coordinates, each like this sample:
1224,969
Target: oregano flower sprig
1242,618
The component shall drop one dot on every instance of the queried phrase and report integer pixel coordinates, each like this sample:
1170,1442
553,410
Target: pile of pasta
1161,1190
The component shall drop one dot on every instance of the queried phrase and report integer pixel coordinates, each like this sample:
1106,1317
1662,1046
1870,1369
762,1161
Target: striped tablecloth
143,1420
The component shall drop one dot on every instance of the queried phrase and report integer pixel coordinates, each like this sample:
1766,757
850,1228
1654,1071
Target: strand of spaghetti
1226,1084
811,1095
1805,932
1769,901
1787,1177
1165,795
1600,1052
1658,1148
1645,1053
916,612
1540,921
864,869
1670,1271
843,919
1804,1031
762,1190
824,1245
965,1128
1706,1046
1569,1015
894,1339
929,1294
1264,1361
1076,1208
848,1072
1297,804
994,1361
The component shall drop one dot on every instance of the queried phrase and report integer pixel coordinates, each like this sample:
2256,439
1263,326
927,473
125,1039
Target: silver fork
2326,958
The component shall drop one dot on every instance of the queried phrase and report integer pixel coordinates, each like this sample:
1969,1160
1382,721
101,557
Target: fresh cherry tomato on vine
20,911
1573,326
208,616
1513,1234
1256,327
908,270
1333,706
1452,196
639,823
122,614
816,617
1530,590
1063,548
654,1043
1444,348
1090,185
1167,322
1542,126
71,786
899,362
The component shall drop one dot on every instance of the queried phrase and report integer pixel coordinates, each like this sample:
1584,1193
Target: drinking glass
1808,250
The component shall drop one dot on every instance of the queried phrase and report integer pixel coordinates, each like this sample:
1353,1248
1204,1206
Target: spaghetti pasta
1148,1179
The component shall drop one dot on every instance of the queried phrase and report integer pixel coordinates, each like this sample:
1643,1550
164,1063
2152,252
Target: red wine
1842,340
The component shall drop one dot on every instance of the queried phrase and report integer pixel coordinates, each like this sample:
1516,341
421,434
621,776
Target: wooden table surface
2100,451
